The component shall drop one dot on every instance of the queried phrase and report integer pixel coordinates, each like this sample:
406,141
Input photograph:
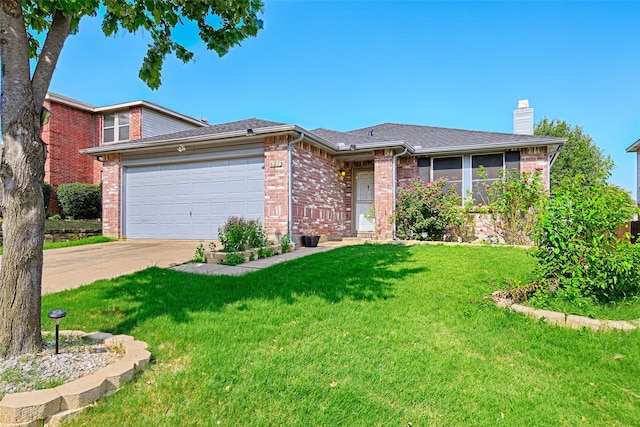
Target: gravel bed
77,358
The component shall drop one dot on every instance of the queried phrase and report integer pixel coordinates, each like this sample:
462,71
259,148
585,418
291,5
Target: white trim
61,99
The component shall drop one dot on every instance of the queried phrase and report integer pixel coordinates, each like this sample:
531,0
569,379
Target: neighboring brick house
635,147
75,125
186,184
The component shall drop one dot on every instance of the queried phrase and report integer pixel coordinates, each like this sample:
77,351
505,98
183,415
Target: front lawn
376,335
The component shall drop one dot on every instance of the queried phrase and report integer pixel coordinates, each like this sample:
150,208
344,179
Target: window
424,169
115,127
451,169
492,164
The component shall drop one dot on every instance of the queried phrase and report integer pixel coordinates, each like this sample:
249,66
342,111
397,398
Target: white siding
154,123
638,177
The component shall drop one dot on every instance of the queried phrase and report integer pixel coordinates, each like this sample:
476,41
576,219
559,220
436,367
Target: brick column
135,123
111,198
276,186
383,178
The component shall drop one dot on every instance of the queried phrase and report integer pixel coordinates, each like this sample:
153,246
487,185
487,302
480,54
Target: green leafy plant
461,224
238,234
80,201
233,258
199,254
424,210
513,202
266,252
579,253
285,243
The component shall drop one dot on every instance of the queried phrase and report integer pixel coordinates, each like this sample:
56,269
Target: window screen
424,169
451,169
492,164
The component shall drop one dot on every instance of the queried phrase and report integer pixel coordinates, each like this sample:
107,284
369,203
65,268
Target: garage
191,200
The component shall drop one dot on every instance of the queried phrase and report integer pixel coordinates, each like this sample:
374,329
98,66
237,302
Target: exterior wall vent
523,118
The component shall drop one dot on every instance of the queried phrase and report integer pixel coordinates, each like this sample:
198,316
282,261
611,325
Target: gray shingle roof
239,125
429,137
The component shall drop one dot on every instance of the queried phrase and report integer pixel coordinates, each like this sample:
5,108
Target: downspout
395,158
290,150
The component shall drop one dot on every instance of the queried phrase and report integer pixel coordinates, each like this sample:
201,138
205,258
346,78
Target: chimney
523,118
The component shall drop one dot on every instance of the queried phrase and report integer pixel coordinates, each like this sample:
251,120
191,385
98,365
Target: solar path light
57,315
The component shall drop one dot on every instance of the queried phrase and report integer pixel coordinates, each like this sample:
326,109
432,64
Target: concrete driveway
68,268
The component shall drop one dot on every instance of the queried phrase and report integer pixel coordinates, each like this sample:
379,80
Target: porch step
364,235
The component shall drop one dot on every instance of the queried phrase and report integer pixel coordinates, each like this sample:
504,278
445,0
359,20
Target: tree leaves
222,24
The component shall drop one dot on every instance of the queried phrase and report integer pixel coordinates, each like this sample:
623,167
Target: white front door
365,196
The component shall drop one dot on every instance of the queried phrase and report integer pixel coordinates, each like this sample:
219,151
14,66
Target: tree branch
48,59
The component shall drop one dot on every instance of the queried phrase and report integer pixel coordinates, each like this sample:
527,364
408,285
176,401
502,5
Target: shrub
462,226
579,253
285,243
238,234
423,210
514,201
198,256
46,194
80,201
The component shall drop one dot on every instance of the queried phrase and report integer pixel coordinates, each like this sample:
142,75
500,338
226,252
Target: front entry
365,196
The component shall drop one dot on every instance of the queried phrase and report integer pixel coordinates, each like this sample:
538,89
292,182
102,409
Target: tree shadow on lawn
359,273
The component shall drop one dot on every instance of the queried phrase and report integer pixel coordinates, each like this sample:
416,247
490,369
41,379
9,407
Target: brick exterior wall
276,186
111,200
135,123
319,193
535,158
68,131
406,169
383,173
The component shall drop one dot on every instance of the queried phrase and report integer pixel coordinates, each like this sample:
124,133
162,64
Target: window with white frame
115,127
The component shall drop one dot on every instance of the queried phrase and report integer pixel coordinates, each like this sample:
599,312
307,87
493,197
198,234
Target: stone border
51,407
568,320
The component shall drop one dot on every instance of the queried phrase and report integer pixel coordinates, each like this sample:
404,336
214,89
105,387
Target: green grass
87,241
377,335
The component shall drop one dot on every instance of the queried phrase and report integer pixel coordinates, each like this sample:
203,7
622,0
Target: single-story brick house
185,184
635,148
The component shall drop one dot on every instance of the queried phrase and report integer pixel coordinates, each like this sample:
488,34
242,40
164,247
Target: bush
579,253
238,234
513,202
424,211
46,194
80,201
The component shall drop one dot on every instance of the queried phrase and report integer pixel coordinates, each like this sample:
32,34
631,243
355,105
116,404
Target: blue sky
345,65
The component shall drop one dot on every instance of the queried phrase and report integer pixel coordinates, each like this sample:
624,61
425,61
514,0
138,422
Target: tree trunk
22,176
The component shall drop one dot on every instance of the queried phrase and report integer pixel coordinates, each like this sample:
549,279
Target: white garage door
191,200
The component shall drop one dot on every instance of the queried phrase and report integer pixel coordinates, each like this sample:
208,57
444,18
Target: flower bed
221,257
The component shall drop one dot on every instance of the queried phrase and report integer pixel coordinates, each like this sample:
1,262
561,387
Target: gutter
290,155
395,158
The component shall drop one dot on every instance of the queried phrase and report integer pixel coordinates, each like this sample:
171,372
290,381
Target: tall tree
221,24
580,155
